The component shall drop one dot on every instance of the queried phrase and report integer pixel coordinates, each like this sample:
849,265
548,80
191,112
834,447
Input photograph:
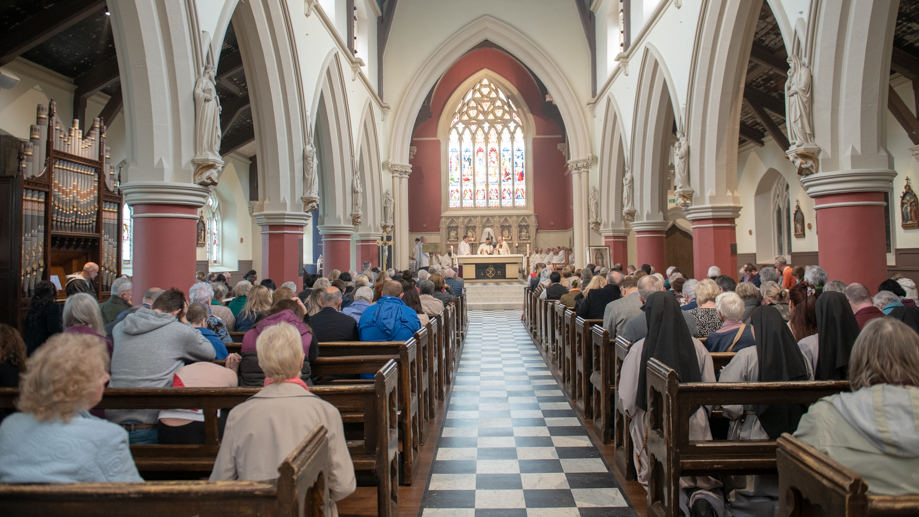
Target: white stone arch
613,155
330,105
651,141
720,56
269,58
371,171
668,80
771,190
520,46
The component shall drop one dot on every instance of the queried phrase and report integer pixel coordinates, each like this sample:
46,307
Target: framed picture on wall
909,208
598,256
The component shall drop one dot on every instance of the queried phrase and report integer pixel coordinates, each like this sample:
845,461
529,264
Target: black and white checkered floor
511,444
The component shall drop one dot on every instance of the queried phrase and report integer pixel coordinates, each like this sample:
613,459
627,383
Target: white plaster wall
420,26
37,85
898,145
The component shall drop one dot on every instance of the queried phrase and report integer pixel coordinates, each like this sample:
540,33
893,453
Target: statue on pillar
628,207
310,197
357,198
679,156
208,163
593,208
803,151
388,212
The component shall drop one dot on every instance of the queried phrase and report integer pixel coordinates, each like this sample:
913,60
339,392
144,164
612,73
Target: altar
490,268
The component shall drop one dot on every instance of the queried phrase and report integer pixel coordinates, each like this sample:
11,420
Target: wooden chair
300,490
409,395
672,454
583,362
812,484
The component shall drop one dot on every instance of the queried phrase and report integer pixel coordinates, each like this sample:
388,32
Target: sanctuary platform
491,268
486,296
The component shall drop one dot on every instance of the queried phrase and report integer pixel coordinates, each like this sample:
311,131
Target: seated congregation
99,392
679,372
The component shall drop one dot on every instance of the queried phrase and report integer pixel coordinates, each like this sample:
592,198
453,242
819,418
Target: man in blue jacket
389,319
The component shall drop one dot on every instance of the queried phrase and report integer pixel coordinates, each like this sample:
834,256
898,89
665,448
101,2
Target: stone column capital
712,212
848,182
165,193
650,226
335,229
282,219
399,170
581,165
615,232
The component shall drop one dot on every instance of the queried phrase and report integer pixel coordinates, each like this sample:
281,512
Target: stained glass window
127,236
486,151
212,217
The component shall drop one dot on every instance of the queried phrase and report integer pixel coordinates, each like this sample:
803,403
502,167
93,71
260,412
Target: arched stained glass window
212,216
127,236
486,151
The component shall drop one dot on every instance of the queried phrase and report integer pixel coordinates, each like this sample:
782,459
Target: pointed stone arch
371,171
333,128
614,154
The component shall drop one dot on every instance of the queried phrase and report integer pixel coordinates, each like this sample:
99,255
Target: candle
451,249
528,249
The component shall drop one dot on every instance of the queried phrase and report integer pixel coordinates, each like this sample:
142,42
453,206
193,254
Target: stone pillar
649,243
400,174
282,245
165,232
580,170
366,250
850,224
714,238
336,247
617,239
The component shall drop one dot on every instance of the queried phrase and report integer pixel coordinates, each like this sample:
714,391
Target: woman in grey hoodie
873,429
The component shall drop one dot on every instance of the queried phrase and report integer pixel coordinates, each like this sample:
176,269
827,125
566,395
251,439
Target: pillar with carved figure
336,247
282,245
650,238
617,239
400,174
165,226
714,238
850,224
580,184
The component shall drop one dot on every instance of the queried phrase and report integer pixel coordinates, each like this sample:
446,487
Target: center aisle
511,444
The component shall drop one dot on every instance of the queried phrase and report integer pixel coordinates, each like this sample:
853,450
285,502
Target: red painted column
281,257
712,240
165,251
851,239
367,251
618,247
336,247
650,244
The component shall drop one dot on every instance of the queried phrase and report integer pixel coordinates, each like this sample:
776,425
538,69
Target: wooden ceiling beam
231,110
763,56
904,64
771,127
904,116
751,135
229,65
228,145
763,99
112,107
45,25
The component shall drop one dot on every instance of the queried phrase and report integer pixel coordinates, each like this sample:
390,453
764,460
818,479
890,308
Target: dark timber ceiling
764,93
906,36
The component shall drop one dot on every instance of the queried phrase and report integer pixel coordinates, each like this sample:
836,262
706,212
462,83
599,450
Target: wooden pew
672,454
460,318
567,361
234,348
454,319
527,305
422,338
434,354
300,490
548,337
237,337
409,396
558,336
812,484
583,362
602,383
374,448
450,340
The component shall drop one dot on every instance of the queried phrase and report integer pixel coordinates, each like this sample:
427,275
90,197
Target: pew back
568,373
622,453
583,364
601,383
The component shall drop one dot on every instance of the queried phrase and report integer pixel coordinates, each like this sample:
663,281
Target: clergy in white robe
669,341
502,248
464,248
486,248
783,360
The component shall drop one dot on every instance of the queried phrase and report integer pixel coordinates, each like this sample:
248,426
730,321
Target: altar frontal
490,268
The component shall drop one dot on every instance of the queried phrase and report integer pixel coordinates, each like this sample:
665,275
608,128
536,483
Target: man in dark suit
331,325
555,289
594,305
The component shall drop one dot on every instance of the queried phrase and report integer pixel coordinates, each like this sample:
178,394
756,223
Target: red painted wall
551,192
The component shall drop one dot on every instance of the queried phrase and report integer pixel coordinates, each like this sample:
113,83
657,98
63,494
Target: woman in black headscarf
828,351
669,341
775,358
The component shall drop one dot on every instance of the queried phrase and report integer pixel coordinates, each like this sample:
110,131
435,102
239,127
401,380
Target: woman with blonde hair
705,313
240,295
314,302
82,316
567,273
776,296
262,431
597,282
54,439
333,275
872,430
258,301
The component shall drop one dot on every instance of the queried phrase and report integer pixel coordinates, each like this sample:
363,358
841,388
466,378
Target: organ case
63,209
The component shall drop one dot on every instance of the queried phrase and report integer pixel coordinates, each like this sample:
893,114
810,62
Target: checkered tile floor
511,444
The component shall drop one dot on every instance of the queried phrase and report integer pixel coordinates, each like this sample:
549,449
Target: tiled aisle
511,444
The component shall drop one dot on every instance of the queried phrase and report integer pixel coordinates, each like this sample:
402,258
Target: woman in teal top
54,439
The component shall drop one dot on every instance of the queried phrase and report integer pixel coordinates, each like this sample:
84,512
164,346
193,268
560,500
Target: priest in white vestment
502,248
486,248
464,248
669,341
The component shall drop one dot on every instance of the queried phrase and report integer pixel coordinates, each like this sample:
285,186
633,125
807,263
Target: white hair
290,285
648,285
730,306
121,285
689,289
364,293
714,271
815,276
670,270
910,287
423,275
885,298
201,293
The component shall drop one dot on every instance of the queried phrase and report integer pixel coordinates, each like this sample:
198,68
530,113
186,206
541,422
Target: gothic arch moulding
372,173
333,123
523,48
613,158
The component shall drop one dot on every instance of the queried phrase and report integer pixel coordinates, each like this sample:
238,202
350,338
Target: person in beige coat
262,431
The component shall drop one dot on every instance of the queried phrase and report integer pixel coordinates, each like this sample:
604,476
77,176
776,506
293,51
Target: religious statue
357,198
208,163
799,221
524,233
387,212
310,196
679,156
628,207
593,208
452,235
798,103
202,232
909,208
